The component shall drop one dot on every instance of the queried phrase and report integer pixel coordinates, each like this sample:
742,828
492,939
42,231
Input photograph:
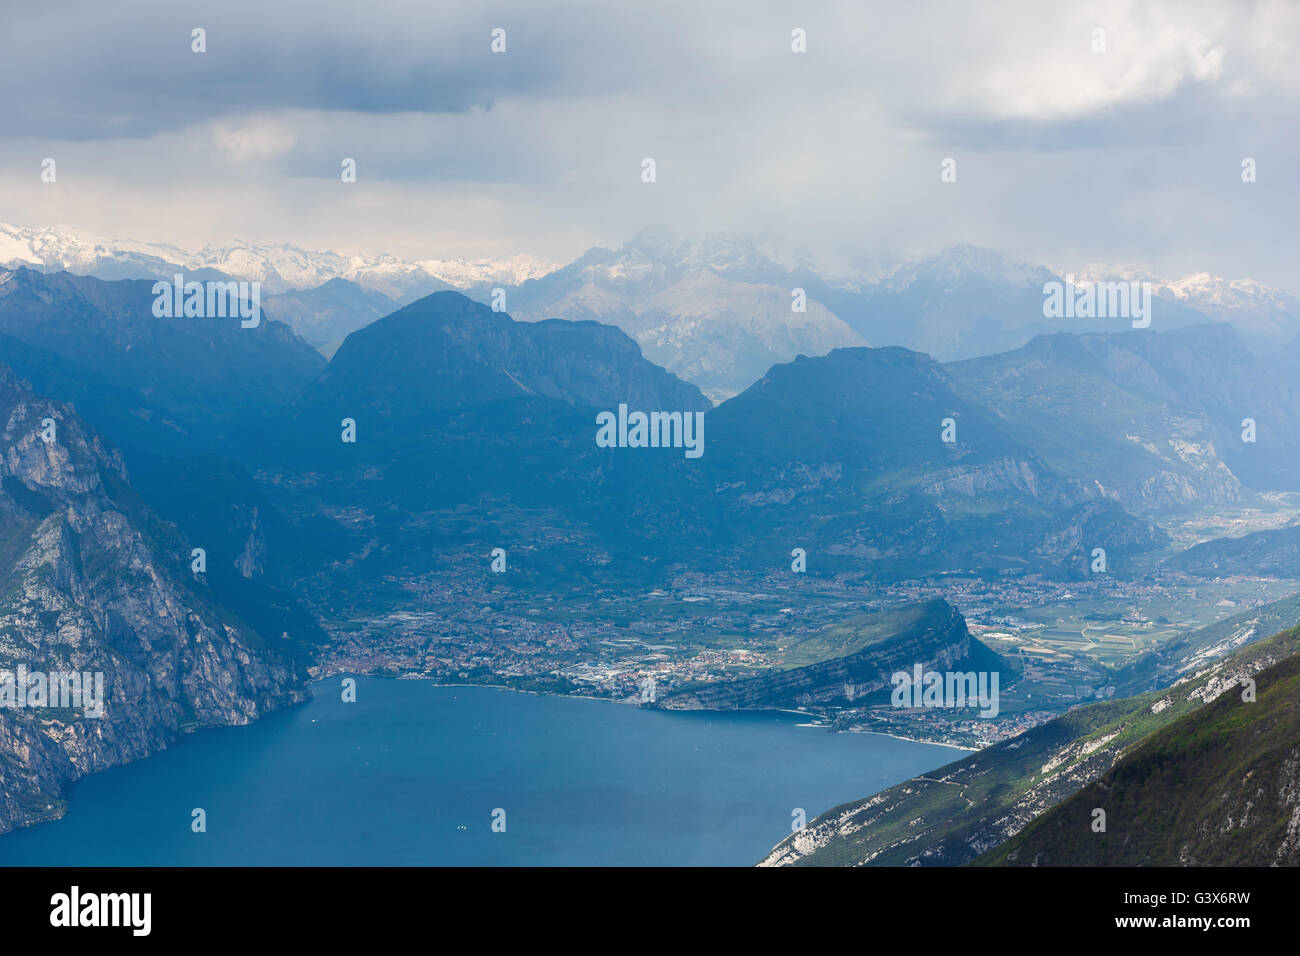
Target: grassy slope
1218,787
968,807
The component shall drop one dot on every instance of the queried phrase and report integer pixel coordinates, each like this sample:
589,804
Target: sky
1071,146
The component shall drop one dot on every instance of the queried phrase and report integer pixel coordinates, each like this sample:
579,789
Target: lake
412,772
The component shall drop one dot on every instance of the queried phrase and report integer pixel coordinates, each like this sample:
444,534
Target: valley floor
1063,639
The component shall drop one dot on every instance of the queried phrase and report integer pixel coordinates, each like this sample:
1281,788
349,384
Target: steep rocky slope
1219,787
91,581
953,815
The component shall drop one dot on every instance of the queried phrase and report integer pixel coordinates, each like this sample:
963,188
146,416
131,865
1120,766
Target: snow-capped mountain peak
965,262
278,266
1262,314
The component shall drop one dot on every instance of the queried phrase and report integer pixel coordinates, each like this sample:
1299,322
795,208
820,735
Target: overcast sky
1064,155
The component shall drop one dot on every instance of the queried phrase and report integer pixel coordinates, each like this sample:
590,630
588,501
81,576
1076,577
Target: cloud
252,140
90,70
1064,154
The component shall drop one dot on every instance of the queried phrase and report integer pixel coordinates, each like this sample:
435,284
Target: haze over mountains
278,266
1056,448
170,386
716,312
840,453
1155,418
475,429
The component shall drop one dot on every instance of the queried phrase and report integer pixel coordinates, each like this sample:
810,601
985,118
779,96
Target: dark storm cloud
93,70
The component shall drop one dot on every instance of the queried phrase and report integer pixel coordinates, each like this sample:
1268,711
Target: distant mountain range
1056,447
456,405
280,267
170,386
1263,317
716,312
1154,418
325,315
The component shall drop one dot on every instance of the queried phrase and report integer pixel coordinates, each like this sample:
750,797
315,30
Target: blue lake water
411,773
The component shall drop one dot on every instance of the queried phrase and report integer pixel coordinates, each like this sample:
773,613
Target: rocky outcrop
935,637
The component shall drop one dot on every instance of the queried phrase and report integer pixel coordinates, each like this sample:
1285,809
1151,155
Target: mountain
472,429
1218,787
715,312
59,249
280,267
1186,655
723,335
173,395
1272,553
325,315
255,555
458,407
966,301
163,385
878,645
1263,317
1155,419
953,815
92,581
960,302
846,453
447,351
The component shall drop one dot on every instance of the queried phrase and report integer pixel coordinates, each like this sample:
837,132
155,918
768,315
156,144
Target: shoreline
916,740
632,702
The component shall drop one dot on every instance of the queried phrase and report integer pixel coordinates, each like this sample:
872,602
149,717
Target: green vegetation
1216,788
851,636
960,811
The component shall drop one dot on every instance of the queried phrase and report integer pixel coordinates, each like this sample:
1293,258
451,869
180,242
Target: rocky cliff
932,634
92,581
